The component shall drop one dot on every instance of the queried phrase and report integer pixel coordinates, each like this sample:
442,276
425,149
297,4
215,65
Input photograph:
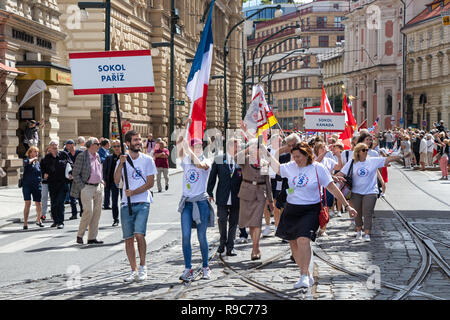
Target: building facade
428,67
332,66
135,24
373,64
296,80
31,37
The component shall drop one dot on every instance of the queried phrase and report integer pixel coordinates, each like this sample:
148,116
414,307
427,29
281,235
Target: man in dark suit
109,166
230,178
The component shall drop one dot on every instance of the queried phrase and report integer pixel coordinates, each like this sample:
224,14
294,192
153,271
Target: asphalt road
44,252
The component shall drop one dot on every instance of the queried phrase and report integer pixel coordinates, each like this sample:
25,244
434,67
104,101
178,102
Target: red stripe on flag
199,114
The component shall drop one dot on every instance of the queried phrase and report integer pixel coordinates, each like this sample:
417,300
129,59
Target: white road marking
26,243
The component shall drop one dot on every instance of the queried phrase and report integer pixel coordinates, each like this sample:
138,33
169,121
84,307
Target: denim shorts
137,222
35,190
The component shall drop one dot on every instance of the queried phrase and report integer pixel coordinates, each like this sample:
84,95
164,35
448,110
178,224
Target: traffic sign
126,126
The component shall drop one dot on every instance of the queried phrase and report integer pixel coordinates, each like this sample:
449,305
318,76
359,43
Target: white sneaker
331,213
339,214
242,240
206,273
304,282
142,273
267,231
359,235
133,276
188,275
367,238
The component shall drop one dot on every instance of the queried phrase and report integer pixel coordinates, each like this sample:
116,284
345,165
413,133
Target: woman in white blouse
364,186
300,220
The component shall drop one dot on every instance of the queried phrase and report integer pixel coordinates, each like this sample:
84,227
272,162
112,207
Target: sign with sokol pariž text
112,72
324,122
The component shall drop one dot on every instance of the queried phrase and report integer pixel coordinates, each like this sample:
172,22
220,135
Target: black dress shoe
95,241
221,249
79,240
53,225
167,187
25,227
73,217
107,208
115,224
231,253
39,224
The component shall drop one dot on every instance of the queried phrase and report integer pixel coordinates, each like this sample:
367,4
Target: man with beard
141,172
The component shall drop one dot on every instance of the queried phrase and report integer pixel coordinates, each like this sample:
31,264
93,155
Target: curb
13,217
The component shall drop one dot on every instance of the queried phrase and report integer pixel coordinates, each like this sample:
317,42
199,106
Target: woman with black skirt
300,220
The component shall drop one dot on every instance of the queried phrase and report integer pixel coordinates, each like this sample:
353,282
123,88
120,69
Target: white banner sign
112,72
312,109
324,122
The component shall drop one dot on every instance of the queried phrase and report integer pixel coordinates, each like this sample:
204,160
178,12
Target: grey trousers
228,214
164,171
365,206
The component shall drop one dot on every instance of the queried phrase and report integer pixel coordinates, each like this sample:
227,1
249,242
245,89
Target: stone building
30,40
373,65
332,65
428,67
135,24
299,85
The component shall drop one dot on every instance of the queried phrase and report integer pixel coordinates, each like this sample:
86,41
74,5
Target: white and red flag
325,105
198,80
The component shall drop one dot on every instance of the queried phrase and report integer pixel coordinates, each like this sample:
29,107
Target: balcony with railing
324,26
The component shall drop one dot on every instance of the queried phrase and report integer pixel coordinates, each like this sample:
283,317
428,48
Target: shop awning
4,68
50,73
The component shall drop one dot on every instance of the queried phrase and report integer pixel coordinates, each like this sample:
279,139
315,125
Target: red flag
325,105
347,135
363,125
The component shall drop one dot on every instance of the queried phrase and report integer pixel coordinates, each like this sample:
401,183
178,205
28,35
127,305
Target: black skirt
299,221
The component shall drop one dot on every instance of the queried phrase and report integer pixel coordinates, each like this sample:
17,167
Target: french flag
198,80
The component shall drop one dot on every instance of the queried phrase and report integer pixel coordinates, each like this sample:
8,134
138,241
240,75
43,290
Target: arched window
388,103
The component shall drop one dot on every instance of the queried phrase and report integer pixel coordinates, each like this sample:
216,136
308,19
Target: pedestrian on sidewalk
141,172
31,185
423,151
194,206
443,151
364,186
161,156
44,192
72,153
109,166
150,145
88,186
430,150
227,201
54,171
299,222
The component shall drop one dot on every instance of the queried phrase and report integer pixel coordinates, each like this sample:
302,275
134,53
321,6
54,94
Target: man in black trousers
227,201
109,166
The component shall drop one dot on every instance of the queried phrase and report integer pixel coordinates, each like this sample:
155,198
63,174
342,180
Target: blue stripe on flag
203,46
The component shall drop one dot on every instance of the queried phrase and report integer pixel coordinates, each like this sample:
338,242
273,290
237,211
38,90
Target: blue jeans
137,222
186,227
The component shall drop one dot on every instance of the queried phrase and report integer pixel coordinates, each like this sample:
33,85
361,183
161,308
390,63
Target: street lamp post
298,30
271,73
225,54
106,98
273,47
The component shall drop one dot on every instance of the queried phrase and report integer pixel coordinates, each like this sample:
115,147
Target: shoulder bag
324,217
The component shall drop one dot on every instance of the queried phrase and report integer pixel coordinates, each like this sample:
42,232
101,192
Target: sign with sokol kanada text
324,122
110,72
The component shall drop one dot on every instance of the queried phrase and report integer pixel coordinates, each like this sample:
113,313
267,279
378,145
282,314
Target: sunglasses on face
97,144
116,146
364,150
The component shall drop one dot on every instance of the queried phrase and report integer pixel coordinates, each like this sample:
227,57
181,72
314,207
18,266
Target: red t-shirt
162,162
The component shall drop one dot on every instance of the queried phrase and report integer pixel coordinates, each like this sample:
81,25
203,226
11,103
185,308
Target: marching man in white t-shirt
141,172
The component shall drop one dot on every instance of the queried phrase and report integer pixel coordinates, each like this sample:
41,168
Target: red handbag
324,217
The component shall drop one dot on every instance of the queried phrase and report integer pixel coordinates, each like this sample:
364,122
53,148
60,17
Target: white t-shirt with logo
364,176
195,180
144,166
303,186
